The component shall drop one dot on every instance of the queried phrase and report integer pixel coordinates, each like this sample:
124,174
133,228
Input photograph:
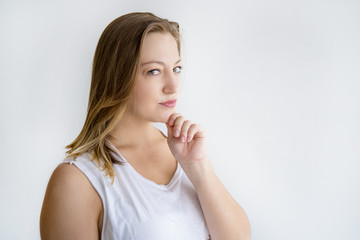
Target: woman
122,177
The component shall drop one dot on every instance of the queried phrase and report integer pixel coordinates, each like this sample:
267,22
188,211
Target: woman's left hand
194,148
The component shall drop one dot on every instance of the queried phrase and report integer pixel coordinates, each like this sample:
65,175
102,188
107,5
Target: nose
171,82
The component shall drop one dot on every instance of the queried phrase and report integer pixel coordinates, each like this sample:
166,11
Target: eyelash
149,72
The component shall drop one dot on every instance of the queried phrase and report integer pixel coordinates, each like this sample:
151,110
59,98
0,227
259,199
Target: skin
157,83
224,217
74,211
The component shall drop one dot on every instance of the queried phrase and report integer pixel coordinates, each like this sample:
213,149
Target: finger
170,124
177,125
184,130
172,118
194,128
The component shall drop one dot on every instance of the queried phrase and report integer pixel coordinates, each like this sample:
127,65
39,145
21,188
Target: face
158,78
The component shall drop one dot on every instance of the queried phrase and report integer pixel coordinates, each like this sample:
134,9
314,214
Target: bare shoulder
71,206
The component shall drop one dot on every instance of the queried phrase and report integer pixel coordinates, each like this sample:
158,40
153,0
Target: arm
225,218
71,206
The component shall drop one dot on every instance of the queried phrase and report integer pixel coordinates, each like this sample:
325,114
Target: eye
179,69
151,72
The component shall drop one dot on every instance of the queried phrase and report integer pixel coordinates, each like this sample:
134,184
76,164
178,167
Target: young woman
125,179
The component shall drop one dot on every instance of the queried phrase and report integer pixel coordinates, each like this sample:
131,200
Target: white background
276,84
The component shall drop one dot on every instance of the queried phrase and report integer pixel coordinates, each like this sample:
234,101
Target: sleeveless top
136,208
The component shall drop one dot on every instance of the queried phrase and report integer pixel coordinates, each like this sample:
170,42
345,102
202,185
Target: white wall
275,83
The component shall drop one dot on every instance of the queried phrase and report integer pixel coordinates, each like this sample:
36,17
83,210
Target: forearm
225,218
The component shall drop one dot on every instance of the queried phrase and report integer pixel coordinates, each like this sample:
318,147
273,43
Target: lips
170,104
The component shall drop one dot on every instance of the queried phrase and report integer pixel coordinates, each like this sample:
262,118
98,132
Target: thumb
169,131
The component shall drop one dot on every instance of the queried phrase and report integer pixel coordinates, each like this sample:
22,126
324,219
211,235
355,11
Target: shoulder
69,177
71,206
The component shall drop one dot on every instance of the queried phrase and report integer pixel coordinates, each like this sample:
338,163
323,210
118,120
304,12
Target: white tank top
136,208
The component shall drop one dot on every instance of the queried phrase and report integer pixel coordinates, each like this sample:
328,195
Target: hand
194,148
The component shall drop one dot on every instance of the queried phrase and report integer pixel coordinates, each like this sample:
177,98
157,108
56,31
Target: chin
165,117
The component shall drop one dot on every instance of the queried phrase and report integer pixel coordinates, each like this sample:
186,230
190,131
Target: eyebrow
159,62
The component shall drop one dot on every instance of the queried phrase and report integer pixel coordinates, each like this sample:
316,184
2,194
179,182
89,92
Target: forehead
159,47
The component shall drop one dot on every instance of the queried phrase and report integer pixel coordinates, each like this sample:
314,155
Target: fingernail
171,121
183,139
188,139
177,133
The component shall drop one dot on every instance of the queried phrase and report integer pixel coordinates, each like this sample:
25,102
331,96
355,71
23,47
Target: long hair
113,80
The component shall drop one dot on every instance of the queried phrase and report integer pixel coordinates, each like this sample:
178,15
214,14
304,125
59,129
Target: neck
134,133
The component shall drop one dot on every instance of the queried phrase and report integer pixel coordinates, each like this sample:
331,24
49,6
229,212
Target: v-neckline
131,168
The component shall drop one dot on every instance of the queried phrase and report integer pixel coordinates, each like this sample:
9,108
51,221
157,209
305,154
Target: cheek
145,93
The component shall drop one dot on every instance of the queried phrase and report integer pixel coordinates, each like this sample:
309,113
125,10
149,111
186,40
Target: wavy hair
113,79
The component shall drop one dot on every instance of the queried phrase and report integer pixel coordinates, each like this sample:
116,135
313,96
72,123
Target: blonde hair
113,80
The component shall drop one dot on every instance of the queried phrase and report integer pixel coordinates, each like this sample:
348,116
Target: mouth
171,103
